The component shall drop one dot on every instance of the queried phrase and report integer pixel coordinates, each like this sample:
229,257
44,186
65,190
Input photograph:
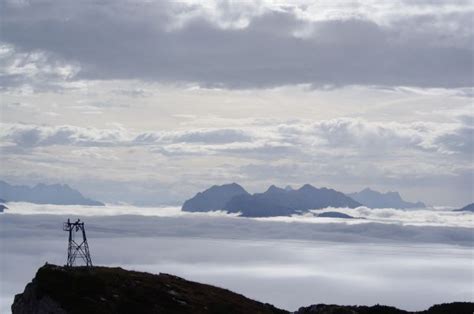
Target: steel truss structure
77,249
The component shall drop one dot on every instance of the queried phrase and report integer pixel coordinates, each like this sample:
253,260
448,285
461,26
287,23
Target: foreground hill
59,194
61,290
375,199
273,202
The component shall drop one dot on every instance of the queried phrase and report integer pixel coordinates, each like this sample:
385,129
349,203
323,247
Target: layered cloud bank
287,264
348,134
245,45
388,216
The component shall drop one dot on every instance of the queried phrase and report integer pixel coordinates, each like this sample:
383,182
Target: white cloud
34,69
342,135
269,261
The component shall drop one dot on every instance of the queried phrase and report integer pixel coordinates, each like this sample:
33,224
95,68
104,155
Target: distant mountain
274,202
2,206
335,215
374,199
467,208
284,202
59,194
214,198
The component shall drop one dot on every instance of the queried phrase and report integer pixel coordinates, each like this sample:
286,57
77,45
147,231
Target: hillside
61,290
100,290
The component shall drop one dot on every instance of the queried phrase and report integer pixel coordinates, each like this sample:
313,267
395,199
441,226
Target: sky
148,102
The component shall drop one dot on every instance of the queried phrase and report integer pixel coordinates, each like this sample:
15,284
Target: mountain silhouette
375,199
335,215
273,202
59,194
467,208
214,198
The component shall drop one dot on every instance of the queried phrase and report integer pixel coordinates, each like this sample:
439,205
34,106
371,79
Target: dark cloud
128,40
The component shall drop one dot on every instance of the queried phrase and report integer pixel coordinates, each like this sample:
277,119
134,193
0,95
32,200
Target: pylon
75,249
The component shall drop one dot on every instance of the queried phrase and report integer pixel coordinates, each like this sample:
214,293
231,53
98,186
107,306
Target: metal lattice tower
77,249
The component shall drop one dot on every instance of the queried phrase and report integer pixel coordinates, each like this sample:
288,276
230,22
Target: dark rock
60,290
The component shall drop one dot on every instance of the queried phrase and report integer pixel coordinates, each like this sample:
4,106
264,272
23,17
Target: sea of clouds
421,217
406,258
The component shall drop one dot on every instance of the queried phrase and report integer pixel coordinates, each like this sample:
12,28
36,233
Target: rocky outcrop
60,290
30,302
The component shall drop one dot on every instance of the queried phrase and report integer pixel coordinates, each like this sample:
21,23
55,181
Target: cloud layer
240,45
351,135
273,262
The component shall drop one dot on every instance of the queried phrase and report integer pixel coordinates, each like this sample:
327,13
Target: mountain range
59,194
287,201
274,202
374,199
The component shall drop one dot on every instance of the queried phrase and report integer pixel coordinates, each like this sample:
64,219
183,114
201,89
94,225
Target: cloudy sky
148,102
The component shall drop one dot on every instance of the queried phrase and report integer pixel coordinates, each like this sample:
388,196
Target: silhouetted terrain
101,290
273,202
61,290
447,308
375,199
214,198
335,215
59,194
467,208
